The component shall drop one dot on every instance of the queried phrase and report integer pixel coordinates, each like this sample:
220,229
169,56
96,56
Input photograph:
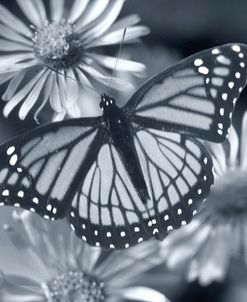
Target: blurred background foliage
178,29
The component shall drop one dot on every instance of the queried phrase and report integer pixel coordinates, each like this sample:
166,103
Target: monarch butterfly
133,172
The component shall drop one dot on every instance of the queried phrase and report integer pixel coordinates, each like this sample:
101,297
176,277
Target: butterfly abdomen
122,138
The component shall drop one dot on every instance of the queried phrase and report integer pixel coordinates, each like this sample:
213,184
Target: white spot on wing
13,159
203,70
215,51
198,62
20,194
237,75
5,193
35,200
224,96
11,150
236,48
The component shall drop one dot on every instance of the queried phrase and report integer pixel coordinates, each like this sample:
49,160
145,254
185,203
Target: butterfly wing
108,212
194,97
178,173
40,169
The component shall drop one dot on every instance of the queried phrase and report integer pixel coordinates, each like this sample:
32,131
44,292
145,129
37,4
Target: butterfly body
135,172
120,132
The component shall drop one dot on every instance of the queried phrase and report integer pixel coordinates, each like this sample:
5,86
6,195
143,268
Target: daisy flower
64,269
218,233
48,59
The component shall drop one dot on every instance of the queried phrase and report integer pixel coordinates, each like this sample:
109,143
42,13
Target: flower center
229,194
75,286
57,45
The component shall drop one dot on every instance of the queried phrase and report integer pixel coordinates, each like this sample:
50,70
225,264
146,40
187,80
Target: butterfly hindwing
178,173
196,96
108,212
39,168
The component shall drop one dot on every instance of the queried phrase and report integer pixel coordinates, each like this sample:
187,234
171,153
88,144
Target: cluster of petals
57,56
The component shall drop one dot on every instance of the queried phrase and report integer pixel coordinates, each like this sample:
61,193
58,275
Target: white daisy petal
116,269
25,219
18,288
20,280
13,85
57,9
128,276
72,88
12,35
219,155
6,77
32,97
178,254
39,245
116,83
22,244
58,116
212,272
217,169
77,9
94,10
55,100
21,94
212,261
125,22
234,147
115,37
89,103
7,61
143,294
92,256
177,236
122,64
84,80
13,22
30,10
69,89
16,239
74,111
41,10
18,66
6,45
243,150
47,93
104,21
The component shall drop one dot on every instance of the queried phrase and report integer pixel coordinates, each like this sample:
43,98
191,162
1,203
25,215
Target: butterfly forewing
196,96
39,169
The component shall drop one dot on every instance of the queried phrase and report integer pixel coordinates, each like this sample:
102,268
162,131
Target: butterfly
135,172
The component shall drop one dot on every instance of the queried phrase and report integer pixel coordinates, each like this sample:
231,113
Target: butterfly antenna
117,58
74,79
